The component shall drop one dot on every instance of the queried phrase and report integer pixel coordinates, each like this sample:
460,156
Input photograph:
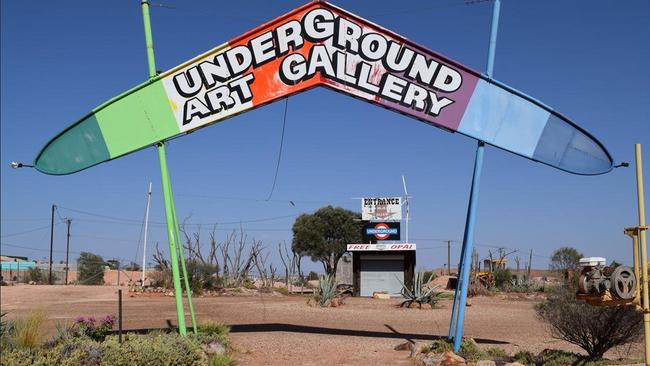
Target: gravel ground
282,330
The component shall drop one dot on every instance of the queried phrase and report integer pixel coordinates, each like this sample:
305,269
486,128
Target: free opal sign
380,247
314,45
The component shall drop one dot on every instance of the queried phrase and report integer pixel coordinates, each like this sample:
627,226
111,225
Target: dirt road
283,330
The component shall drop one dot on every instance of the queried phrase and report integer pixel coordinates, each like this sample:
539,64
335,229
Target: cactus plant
327,291
421,292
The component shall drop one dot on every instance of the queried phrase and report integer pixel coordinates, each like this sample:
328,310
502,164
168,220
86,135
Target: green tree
113,264
564,259
90,269
324,235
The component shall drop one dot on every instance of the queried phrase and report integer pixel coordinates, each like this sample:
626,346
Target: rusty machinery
599,284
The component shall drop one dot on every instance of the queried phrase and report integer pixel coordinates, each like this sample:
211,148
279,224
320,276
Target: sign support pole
468,239
181,256
170,211
644,253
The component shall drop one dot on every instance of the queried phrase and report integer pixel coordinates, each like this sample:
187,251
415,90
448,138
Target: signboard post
458,308
175,245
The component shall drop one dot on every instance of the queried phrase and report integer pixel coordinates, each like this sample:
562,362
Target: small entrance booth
382,267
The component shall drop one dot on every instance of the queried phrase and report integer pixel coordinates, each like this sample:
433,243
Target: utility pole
49,278
67,251
449,257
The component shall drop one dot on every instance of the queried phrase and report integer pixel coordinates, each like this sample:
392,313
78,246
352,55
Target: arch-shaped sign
319,44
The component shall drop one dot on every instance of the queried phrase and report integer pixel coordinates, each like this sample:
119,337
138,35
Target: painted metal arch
319,44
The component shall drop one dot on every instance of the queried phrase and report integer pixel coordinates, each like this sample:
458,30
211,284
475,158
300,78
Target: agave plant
327,291
421,292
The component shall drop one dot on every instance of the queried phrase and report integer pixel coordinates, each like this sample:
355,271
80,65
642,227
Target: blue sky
586,59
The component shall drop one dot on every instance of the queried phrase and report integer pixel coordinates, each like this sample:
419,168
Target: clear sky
586,59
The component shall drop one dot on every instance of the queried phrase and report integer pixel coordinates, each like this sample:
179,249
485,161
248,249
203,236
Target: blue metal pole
468,243
496,10
468,237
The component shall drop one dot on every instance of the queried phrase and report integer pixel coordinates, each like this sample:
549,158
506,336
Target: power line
160,223
277,166
28,231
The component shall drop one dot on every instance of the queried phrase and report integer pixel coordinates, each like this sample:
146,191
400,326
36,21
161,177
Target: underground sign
373,231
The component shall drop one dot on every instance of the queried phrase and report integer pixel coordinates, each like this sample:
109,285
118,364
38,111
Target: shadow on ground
293,328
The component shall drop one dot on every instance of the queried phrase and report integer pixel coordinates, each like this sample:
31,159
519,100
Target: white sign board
381,209
380,247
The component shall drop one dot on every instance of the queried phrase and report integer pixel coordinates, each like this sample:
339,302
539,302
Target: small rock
170,293
406,346
214,348
468,303
431,359
335,302
514,364
486,363
452,359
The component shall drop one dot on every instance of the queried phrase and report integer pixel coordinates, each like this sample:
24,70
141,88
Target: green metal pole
188,290
171,233
148,38
172,228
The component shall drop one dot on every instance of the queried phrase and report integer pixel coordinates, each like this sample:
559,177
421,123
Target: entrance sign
319,44
381,209
380,247
381,231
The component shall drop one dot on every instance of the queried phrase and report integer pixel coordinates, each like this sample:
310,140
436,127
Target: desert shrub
476,288
440,346
209,332
157,349
27,332
6,327
72,352
160,278
90,268
36,275
556,357
526,358
221,360
502,278
92,328
468,349
594,329
18,357
249,284
202,276
496,352
281,290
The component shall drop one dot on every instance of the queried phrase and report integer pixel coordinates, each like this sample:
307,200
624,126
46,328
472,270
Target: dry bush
27,332
594,329
476,288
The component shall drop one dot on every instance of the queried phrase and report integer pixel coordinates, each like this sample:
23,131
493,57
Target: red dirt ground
281,330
